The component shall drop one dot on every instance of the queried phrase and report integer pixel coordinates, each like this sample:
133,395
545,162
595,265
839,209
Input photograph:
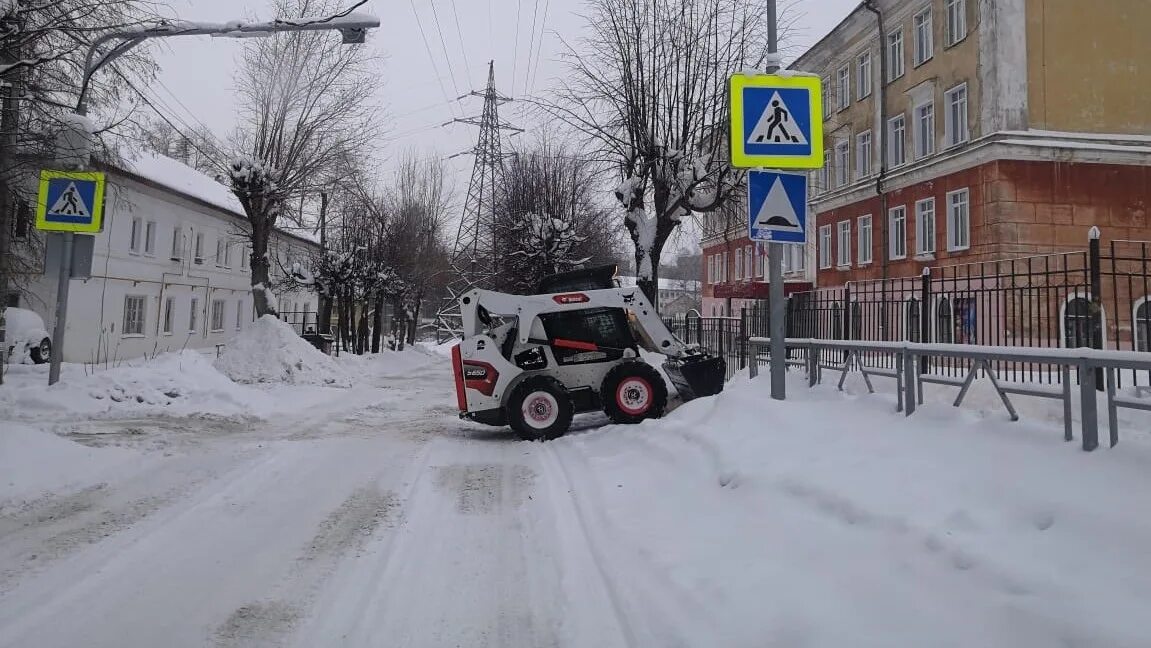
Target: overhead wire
431,58
531,43
516,45
444,47
148,102
540,44
463,50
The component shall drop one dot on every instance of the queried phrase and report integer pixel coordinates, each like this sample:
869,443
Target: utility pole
324,325
9,121
775,251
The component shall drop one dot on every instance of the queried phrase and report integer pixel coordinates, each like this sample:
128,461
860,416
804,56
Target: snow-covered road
372,516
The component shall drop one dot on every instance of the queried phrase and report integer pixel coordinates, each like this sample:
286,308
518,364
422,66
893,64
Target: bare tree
648,89
304,106
547,220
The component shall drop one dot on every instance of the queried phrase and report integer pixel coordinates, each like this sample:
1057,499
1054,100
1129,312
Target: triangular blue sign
777,206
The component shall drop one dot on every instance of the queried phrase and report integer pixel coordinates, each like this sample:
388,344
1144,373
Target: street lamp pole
352,26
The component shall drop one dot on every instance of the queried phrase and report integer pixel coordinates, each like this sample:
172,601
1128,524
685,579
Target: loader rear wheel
632,392
539,409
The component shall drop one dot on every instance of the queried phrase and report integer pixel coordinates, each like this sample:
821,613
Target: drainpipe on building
881,95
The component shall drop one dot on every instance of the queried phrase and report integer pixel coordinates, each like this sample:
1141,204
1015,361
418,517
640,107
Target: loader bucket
696,376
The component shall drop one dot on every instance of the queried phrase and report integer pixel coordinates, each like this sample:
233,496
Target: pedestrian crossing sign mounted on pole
70,201
777,206
776,121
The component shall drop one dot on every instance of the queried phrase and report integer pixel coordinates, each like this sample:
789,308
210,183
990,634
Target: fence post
722,333
743,337
1096,299
848,317
924,315
909,382
698,330
1088,408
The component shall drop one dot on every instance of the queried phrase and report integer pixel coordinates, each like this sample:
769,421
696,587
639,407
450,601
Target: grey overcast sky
431,51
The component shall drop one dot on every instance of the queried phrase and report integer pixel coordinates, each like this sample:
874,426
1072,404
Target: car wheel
632,392
41,353
539,409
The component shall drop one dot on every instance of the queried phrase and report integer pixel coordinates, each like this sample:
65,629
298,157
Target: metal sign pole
65,281
775,254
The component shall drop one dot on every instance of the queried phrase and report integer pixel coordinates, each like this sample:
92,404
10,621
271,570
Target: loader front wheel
632,392
539,409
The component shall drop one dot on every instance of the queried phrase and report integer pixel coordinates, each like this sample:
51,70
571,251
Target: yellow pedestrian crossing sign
776,121
70,201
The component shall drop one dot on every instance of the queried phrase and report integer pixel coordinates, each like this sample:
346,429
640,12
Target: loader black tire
539,409
632,392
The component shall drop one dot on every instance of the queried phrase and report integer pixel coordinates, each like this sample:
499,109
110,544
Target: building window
1078,323
220,251
925,226
896,144
194,315
956,100
863,76
895,55
217,315
825,246
959,220
844,243
177,243
738,264
137,233
228,255
825,172
944,323
842,163
1143,326
864,240
723,268
843,88
825,86
748,259
169,307
863,154
22,220
239,314
924,41
244,259
134,314
956,21
897,227
199,247
150,238
924,130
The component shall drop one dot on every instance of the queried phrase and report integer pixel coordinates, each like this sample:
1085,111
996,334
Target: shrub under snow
269,351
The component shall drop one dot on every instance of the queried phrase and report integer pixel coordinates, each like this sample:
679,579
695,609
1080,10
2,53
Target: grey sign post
775,252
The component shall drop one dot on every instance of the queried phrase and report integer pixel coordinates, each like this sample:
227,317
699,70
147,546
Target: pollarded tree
304,106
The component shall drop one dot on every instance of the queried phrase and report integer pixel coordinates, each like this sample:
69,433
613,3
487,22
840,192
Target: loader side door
589,335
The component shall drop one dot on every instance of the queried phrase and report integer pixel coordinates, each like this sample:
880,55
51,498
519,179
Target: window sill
176,259
133,253
826,267
216,331
925,256
843,268
863,264
898,258
166,333
959,249
923,62
958,42
127,336
954,146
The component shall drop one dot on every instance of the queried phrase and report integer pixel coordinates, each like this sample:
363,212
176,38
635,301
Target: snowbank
443,349
35,461
24,329
269,351
173,384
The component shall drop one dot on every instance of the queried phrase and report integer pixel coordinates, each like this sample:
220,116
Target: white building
169,270
676,296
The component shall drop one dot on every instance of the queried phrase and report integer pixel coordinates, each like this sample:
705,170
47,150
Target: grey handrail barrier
910,392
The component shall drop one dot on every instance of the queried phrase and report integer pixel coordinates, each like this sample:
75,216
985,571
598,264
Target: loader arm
528,307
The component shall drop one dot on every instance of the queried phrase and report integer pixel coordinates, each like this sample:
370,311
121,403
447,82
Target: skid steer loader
534,361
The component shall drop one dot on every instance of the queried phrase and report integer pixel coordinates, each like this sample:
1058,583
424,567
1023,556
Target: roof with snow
172,174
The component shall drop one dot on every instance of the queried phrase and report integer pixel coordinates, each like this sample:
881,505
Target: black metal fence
1095,298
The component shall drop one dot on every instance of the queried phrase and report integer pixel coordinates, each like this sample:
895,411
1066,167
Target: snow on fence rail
908,362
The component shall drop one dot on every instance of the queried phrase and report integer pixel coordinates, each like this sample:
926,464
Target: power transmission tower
474,256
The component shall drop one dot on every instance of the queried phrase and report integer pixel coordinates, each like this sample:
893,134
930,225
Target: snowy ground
311,515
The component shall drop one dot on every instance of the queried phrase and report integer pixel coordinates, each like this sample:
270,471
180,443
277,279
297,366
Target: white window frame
824,247
169,315
957,132
723,268
139,316
925,226
896,64
228,254
220,252
135,237
194,314
864,73
150,238
738,263
825,84
710,268
924,137
897,236
955,229
897,146
843,88
198,253
215,315
239,314
748,262
825,172
866,240
863,154
177,243
843,163
956,11
924,36
843,229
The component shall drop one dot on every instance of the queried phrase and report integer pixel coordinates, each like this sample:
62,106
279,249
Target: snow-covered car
26,337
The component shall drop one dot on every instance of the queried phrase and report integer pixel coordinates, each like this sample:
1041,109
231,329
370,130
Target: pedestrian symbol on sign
776,126
69,204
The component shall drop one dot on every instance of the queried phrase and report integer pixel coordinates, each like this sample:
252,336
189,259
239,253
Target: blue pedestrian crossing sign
776,121
70,201
777,206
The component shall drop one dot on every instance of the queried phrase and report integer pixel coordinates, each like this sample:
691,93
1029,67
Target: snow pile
852,525
34,461
24,329
269,351
442,349
173,384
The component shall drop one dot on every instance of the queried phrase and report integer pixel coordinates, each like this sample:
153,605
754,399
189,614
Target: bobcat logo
629,298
